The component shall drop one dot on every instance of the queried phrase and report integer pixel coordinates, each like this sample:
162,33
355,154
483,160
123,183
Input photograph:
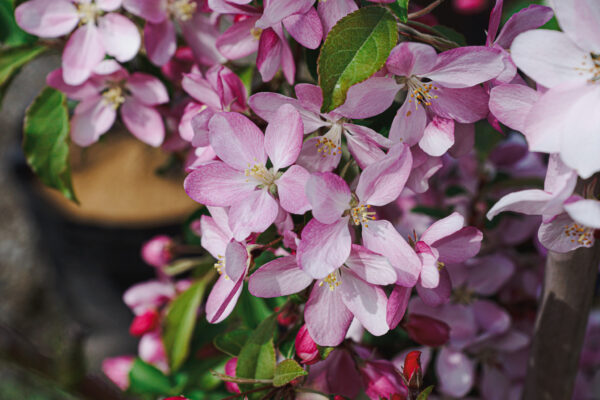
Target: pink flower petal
465,105
214,238
314,161
222,299
369,98
310,97
161,41
237,41
397,304
147,89
579,19
370,267
143,122
79,92
327,318
442,228
585,212
254,213
82,53
408,124
455,371
489,273
305,28
276,11
151,10
268,59
236,260
530,202
280,277
331,12
438,136
201,34
328,195
291,190
528,18
91,119
47,18
367,302
409,58
217,184
200,89
324,248
265,104
491,318
438,295
120,36
552,235
459,246
511,104
364,150
283,137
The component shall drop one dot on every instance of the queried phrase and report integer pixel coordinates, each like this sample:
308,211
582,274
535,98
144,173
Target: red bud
144,323
412,369
306,348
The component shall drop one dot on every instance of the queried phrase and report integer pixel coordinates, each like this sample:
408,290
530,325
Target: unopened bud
306,348
117,370
144,323
412,370
157,251
230,367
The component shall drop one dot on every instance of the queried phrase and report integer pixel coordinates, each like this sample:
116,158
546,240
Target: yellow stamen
256,32
420,92
88,12
333,280
361,214
580,234
220,266
182,10
114,96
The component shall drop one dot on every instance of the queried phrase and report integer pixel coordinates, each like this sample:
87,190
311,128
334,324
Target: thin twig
425,10
235,396
229,378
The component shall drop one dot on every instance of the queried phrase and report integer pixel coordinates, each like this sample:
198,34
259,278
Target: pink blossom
117,370
149,295
306,348
230,368
109,88
337,374
144,323
98,34
156,251
382,380
152,350
242,181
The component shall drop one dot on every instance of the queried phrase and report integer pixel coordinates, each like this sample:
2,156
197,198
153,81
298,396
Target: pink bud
230,370
427,331
306,348
117,370
177,398
152,350
469,6
412,369
156,251
144,323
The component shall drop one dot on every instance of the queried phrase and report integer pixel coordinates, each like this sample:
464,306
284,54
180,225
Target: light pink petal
438,295
528,18
367,302
200,89
466,105
553,236
236,260
222,299
144,122
314,161
419,177
466,66
217,184
326,316
364,151
79,92
408,124
291,190
491,318
47,18
280,277
92,118
268,58
160,41
265,104
495,385
489,273
120,36
381,237
332,11
370,267
409,58
438,136
187,128
147,89
364,134
231,7
151,10
494,24
283,137
237,141
579,19
305,28
430,276
148,295
328,195
276,11
512,340
310,97
201,34
551,58
459,246
442,228
464,140
254,213
82,53
109,5
369,98
530,202
324,248
511,104
214,238
455,371
585,212
237,41
383,181
560,179
396,306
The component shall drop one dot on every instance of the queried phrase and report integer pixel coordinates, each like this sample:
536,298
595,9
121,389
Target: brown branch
426,10
235,396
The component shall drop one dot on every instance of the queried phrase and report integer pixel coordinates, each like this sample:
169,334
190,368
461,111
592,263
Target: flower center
87,12
420,92
259,172
580,234
220,266
361,214
596,68
256,32
333,280
114,96
182,10
463,295
331,143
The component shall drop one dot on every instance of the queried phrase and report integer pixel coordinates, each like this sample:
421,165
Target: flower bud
117,370
156,251
469,6
286,318
230,367
306,348
144,323
412,370
427,331
177,398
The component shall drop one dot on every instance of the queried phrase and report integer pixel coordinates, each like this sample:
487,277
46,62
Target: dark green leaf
251,309
356,47
46,141
263,258
257,357
424,395
402,10
147,379
12,59
286,371
451,34
180,322
432,212
232,342
10,33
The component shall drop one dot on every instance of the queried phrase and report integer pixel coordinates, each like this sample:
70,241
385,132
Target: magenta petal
408,124
291,190
397,304
144,122
511,104
47,18
236,260
305,28
381,237
254,213
266,104
288,63
79,92
310,97
442,228
370,267
491,318
331,12
193,125
494,24
237,41
464,140
369,98
120,36
201,34
328,195
313,160
438,136
455,371
276,11
283,137
236,140
362,134
459,246
82,53
528,18
217,184
160,41
489,273
92,118
466,105
367,302
147,89
200,89
269,54
409,58
151,10
438,295
326,316
383,181
280,277
324,248
222,299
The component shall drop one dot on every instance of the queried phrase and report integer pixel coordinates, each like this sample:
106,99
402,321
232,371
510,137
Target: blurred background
64,268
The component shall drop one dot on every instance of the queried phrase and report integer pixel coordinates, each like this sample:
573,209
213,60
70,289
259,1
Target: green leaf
286,371
147,379
232,342
431,211
257,357
10,33
263,258
424,395
180,322
356,47
251,309
451,34
46,141
324,351
402,10
12,59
